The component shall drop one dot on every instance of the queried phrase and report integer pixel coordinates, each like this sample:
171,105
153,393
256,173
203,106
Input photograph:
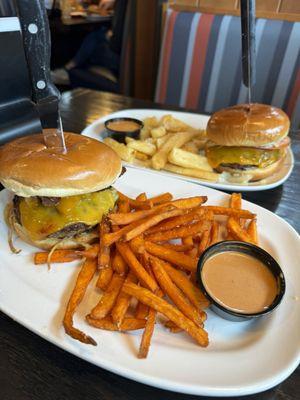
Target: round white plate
97,131
242,358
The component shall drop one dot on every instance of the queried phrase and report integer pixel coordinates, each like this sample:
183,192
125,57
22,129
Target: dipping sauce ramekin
119,128
247,278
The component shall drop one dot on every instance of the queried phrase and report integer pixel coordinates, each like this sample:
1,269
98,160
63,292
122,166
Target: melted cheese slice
261,158
41,221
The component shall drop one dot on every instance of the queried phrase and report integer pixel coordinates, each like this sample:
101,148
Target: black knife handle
248,41
37,45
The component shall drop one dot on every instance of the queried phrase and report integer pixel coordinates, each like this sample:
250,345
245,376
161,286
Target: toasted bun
29,168
48,243
251,174
254,126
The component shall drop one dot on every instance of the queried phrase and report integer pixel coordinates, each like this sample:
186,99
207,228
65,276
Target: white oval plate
97,131
242,358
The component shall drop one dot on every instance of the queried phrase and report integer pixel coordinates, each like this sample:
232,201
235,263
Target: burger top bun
29,168
256,125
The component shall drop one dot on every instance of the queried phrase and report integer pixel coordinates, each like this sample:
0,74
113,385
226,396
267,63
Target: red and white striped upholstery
200,63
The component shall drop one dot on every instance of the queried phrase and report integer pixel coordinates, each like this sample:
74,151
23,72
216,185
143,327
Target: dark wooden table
33,369
85,20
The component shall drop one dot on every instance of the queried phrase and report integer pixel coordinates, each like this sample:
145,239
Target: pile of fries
145,262
167,144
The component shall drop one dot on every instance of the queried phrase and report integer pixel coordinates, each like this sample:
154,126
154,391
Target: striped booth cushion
200,63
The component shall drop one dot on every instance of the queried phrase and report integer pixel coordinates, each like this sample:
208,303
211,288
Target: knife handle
37,45
248,41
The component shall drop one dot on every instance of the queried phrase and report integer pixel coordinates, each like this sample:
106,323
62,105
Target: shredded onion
52,251
10,233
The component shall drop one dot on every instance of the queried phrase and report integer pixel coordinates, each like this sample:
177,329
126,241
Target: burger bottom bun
235,175
48,243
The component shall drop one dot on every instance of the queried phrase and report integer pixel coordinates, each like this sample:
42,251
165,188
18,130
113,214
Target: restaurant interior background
181,53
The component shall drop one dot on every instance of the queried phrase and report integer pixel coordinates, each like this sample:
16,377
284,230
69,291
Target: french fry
180,232
121,306
187,287
173,124
236,200
142,197
162,198
172,327
174,293
172,313
136,204
108,299
104,277
141,311
158,132
214,233
136,267
104,251
190,147
195,145
201,140
123,206
110,238
230,212
91,252
174,222
142,163
145,133
161,140
204,241
137,244
128,324
160,158
118,264
178,247
252,231
128,218
84,277
174,257
190,202
142,147
188,240
150,221
186,159
147,334
193,252
141,156
236,203
124,152
58,256
193,172
237,232
151,122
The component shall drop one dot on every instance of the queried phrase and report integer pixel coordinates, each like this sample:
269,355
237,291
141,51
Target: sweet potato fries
144,265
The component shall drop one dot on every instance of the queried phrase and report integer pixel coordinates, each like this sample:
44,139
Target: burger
59,199
248,142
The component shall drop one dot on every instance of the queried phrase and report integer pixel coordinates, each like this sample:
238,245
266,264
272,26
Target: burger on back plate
59,199
249,142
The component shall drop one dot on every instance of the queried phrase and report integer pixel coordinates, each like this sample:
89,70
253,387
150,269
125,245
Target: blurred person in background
100,48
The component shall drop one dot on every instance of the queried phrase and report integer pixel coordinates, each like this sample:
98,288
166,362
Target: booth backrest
200,63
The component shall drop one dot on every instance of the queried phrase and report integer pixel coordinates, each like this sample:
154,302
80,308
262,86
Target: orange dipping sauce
239,282
123,126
